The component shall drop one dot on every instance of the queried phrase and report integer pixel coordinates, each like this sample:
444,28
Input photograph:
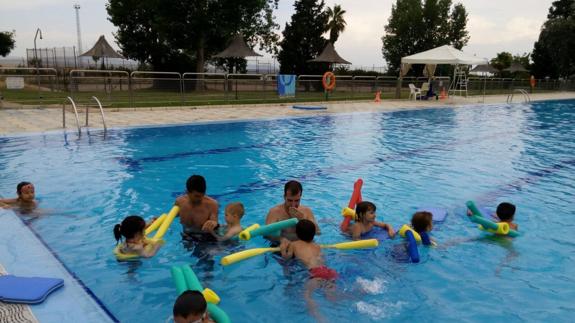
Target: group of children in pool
191,305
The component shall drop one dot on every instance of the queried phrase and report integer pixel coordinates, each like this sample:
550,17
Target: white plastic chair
413,91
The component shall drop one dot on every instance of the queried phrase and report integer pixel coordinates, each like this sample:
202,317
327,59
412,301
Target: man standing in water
290,208
198,212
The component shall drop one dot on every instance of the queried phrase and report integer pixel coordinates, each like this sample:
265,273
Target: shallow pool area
443,157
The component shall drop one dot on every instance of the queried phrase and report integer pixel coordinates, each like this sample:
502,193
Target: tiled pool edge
24,253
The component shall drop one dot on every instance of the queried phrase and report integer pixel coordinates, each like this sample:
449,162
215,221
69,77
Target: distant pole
77,7
38,31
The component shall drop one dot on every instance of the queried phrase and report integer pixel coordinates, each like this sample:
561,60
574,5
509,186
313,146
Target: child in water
365,222
233,215
25,199
506,212
132,229
191,307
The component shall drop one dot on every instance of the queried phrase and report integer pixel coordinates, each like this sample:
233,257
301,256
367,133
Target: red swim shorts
323,272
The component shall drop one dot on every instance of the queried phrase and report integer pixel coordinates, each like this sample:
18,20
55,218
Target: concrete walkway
18,121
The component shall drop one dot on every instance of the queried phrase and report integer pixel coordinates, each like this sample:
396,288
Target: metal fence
44,86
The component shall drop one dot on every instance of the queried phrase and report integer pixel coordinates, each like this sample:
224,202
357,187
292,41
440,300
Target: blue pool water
433,157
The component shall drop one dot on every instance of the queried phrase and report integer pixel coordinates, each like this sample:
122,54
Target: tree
502,61
553,52
175,34
303,40
415,26
336,24
7,42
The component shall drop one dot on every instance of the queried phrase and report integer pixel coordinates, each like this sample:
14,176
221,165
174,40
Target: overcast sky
494,25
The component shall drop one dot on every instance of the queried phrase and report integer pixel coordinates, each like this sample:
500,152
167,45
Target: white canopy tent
442,55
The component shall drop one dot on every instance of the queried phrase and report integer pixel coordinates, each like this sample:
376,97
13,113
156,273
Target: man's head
422,221
196,187
292,194
305,230
190,307
25,191
505,211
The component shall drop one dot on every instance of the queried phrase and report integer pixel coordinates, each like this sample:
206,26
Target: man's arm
212,221
271,218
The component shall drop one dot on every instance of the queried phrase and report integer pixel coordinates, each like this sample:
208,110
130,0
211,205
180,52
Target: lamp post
36,59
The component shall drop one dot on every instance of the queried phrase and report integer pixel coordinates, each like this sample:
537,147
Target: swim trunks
323,272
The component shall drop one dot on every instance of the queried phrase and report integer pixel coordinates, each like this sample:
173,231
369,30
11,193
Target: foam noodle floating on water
267,229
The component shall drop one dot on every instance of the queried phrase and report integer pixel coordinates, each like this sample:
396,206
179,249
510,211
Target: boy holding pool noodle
505,213
365,221
233,215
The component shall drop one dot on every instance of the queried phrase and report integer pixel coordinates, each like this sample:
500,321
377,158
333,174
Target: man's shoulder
305,209
181,199
210,200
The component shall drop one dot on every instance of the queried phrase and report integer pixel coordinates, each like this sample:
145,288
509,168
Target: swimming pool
440,157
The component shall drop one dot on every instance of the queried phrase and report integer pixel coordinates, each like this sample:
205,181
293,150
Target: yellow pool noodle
359,244
502,228
349,213
156,224
406,228
166,223
246,232
211,296
246,254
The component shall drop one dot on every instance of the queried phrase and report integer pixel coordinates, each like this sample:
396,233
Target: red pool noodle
355,198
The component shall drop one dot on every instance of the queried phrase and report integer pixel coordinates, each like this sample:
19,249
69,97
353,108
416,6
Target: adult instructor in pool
198,212
290,208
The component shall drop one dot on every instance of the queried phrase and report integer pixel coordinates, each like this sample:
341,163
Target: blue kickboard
376,233
28,290
439,214
309,107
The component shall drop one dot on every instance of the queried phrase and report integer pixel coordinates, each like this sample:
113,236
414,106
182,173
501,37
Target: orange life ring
328,86
532,81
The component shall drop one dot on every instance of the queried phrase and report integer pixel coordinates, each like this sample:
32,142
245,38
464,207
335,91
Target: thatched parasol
237,49
102,49
329,55
516,67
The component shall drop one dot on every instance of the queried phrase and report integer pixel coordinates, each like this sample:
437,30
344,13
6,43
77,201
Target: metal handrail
75,113
101,112
524,94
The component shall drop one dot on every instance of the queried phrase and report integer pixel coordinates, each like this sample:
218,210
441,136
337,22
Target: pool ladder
87,107
524,94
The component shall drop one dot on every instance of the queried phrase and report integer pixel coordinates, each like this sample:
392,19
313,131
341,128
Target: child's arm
389,228
356,231
233,231
8,202
151,249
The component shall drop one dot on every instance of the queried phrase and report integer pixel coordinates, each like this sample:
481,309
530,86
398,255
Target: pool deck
22,253
44,119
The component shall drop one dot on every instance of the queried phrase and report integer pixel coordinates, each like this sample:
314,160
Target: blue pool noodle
412,246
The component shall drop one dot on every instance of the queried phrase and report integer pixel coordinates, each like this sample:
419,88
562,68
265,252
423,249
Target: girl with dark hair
135,242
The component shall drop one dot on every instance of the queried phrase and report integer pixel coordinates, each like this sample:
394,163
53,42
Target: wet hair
129,227
196,183
294,187
505,211
20,186
305,230
235,208
362,208
190,302
421,221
